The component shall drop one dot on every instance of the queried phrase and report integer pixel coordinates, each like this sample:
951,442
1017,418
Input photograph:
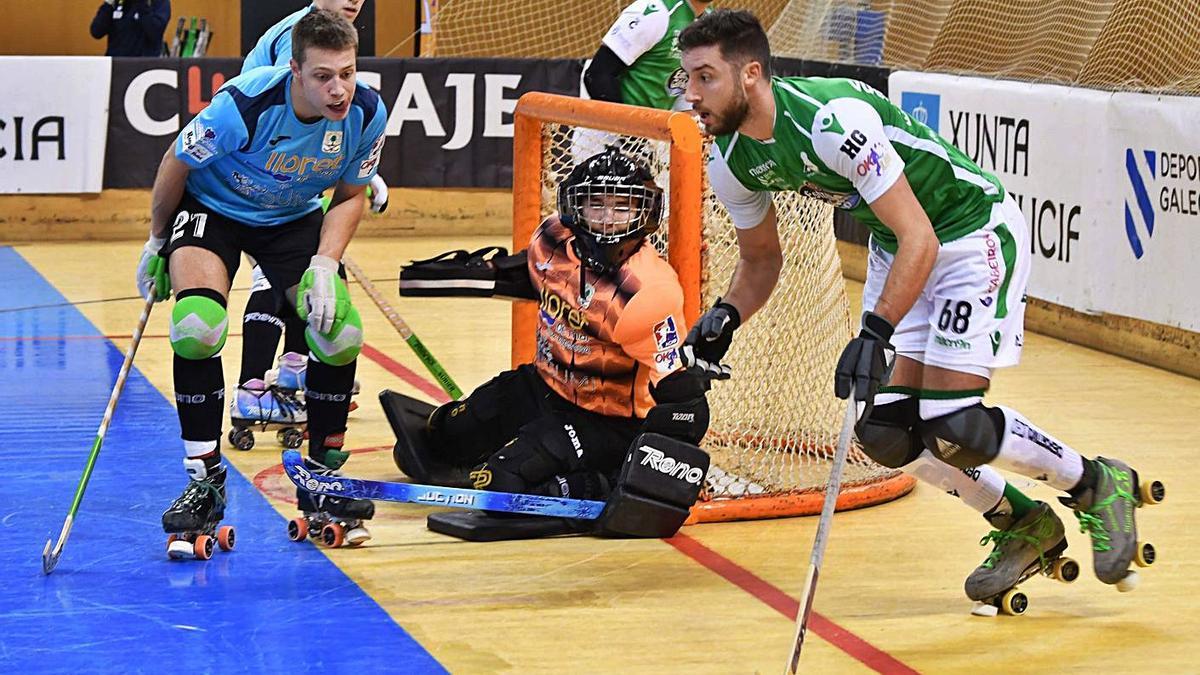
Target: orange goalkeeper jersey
600,346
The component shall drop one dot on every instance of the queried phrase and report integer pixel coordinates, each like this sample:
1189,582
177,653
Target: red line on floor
776,599
399,370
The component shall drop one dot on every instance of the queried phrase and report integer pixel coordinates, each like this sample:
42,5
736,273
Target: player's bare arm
760,259
900,211
341,221
168,190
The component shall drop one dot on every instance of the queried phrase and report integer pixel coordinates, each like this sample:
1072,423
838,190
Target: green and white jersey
843,142
645,37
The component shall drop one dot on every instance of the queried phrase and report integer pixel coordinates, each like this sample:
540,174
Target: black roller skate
333,521
258,405
1022,548
192,520
1105,511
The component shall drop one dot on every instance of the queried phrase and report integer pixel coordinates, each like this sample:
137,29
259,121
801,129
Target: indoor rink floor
717,598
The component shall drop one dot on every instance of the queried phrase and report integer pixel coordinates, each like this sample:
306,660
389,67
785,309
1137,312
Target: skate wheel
290,438
357,536
202,548
1129,583
178,548
1152,492
353,405
242,439
1145,554
226,537
1065,570
332,535
1014,603
297,529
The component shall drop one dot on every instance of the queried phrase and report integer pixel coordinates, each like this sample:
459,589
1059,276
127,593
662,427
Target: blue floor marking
115,603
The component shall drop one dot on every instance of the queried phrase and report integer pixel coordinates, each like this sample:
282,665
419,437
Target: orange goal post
775,423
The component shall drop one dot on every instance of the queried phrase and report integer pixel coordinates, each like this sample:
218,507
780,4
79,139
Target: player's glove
866,362
709,339
322,298
377,192
152,271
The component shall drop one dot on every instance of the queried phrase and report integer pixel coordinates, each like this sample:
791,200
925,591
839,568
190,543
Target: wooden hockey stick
435,368
822,536
50,557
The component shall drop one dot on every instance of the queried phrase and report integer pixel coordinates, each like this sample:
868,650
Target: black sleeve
603,76
153,21
103,21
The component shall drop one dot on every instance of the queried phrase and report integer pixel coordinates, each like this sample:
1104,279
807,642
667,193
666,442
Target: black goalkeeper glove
866,362
709,339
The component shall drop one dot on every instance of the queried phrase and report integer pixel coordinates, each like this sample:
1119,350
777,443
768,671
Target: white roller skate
258,405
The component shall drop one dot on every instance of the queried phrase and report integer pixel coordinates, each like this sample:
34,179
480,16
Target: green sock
1019,502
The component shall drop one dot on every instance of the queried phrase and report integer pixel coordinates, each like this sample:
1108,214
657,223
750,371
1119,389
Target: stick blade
49,560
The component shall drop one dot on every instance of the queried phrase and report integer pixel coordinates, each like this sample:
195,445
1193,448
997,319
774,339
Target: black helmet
634,211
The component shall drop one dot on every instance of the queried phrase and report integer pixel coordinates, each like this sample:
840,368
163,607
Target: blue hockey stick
432,495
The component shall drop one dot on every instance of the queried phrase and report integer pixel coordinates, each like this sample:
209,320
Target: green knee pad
199,326
342,344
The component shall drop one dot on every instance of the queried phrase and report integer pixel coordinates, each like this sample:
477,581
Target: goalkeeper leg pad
965,438
658,483
409,418
199,324
888,434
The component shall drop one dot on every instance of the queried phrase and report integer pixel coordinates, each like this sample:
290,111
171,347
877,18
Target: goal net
775,424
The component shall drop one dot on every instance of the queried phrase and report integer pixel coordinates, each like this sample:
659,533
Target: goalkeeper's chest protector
603,338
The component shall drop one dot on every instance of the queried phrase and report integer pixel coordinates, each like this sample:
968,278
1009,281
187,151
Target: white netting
1110,44
775,424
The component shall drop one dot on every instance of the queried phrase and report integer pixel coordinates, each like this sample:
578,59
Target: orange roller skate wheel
297,529
225,537
203,547
332,535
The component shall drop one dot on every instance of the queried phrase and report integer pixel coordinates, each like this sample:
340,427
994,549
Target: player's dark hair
323,30
736,32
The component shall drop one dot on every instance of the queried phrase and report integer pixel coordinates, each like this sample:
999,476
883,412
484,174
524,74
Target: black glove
866,363
709,339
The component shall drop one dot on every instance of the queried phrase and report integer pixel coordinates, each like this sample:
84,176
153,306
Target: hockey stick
50,558
823,525
435,368
432,495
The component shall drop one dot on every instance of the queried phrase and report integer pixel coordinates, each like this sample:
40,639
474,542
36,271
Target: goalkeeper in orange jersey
606,411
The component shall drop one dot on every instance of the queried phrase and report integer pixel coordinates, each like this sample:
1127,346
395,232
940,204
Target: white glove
317,296
151,270
379,194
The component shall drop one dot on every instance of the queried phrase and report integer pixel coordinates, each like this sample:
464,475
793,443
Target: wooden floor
716,600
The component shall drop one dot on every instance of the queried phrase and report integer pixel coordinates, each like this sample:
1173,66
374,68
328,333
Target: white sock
980,488
1029,451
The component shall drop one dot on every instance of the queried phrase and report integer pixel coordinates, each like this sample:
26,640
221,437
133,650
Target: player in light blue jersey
245,176
263,322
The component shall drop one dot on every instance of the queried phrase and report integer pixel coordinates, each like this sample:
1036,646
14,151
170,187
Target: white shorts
970,316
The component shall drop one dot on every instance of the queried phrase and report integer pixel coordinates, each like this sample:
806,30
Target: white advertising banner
1102,240
53,123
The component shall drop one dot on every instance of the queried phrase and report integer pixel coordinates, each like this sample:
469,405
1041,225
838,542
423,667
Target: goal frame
684,253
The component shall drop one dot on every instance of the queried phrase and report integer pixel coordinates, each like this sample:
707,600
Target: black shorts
516,405
282,251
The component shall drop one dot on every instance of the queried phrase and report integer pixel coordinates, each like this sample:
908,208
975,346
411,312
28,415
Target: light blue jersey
254,161
274,48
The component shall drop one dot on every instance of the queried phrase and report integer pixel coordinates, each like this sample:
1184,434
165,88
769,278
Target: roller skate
265,407
192,520
1021,549
333,521
289,376
1105,512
